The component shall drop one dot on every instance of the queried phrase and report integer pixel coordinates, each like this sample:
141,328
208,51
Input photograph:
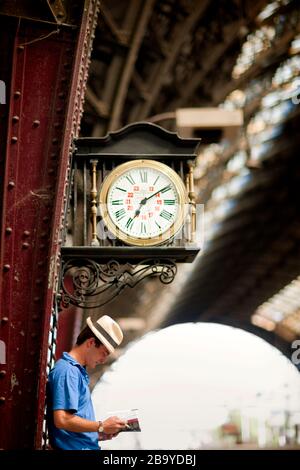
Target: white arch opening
203,385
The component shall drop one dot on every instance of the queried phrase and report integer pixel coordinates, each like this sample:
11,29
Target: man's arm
70,422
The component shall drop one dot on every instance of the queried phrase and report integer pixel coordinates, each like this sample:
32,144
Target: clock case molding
100,266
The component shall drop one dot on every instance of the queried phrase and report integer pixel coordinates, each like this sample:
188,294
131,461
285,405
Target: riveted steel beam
47,80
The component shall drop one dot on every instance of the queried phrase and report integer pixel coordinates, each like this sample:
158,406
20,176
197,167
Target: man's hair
85,334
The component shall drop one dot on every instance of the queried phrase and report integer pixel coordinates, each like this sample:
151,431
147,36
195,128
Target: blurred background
211,359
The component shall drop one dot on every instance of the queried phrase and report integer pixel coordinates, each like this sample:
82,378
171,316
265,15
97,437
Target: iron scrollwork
88,284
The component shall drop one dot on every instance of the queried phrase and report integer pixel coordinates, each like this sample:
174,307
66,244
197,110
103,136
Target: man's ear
90,342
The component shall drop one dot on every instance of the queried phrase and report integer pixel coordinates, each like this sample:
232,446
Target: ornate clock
143,202
132,212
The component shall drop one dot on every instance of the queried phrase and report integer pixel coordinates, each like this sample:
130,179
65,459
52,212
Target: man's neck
78,354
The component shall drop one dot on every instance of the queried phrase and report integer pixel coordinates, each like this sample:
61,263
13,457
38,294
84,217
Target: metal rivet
26,233
4,319
46,219
51,171
15,118
17,94
2,399
2,373
14,139
36,123
33,335
6,267
35,317
38,281
36,299
8,230
25,245
20,48
54,141
11,184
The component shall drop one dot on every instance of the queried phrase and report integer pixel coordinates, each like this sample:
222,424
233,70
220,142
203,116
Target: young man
70,413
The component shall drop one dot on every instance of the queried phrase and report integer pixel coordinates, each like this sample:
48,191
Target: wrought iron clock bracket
89,284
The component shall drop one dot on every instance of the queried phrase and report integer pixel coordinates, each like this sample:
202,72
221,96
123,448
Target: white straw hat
107,330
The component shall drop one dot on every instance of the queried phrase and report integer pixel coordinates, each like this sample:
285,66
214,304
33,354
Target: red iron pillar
45,48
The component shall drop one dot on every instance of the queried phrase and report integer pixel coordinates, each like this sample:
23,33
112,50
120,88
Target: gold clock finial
94,194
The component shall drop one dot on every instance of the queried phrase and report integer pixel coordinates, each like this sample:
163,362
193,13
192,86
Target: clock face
144,202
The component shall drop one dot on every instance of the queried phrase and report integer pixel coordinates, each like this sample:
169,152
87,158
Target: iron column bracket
88,284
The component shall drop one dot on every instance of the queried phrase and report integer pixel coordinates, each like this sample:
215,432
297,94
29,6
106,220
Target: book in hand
131,417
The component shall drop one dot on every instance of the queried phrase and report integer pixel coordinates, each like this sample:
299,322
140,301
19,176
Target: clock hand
143,201
138,211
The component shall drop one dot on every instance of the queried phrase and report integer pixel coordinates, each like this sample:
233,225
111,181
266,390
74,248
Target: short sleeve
65,390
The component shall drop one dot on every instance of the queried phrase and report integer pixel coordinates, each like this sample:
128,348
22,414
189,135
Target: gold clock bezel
182,197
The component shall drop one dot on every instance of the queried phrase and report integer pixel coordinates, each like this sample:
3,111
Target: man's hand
113,425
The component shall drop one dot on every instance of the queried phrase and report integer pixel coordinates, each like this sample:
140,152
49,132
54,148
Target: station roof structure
187,65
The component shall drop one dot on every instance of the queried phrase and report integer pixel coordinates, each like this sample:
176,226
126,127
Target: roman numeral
143,227
166,215
129,223
117,202
144,176
120,214
156,180
120,189
169,202
130,179
158,225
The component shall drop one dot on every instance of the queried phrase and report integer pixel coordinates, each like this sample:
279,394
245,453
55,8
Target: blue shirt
68,389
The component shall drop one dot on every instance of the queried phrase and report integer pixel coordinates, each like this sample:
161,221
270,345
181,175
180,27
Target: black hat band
105,334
